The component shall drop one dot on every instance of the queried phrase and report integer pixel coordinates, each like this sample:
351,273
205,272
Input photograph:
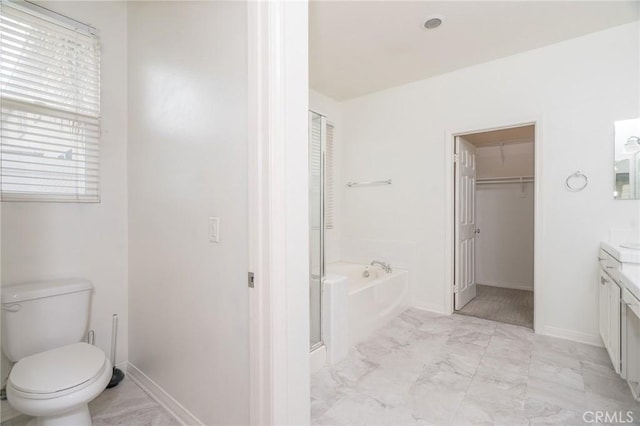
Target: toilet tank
39,316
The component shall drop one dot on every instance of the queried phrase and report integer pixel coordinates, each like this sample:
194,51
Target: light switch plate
214,229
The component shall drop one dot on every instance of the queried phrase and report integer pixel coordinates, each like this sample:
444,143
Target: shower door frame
324,122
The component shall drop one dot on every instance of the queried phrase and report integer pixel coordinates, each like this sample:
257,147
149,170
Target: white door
465,223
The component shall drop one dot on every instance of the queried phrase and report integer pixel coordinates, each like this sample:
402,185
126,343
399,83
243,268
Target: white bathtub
370,301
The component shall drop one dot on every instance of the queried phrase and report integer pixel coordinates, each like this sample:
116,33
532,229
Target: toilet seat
58,372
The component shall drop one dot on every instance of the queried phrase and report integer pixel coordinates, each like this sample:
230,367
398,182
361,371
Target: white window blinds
329,179
50,101
319,174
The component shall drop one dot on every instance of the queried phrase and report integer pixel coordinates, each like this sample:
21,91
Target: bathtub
373,297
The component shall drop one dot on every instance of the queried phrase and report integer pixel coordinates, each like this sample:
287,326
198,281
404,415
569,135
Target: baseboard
436,309
162,397
576,336
514,286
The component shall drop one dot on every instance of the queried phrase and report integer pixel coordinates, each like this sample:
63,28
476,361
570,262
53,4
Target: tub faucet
385,266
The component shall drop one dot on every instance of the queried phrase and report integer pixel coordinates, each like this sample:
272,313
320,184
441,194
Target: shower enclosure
317,145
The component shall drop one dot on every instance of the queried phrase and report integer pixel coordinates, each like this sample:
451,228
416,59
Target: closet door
465,223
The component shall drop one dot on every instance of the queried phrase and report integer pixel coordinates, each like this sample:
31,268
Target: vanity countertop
630,278
621,253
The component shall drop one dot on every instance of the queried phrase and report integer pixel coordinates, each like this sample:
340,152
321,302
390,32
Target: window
329,179
50,101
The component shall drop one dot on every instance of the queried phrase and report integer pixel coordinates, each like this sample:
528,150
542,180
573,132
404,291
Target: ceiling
496,137
359,47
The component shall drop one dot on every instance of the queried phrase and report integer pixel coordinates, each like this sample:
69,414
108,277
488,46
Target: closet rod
505,179
377,182
487,182
520,179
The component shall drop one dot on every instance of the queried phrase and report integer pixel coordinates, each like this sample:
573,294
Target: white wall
358,250
504,247
505,217
188,161
516,159
61,240
576,89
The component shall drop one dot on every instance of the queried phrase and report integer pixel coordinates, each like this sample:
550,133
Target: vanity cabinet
603,311
619,309
610,295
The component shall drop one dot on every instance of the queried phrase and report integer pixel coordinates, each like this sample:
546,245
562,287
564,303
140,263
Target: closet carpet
501,304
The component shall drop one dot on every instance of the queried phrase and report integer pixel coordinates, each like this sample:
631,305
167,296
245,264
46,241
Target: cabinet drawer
610,265
608,262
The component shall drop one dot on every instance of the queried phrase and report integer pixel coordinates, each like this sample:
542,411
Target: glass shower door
317,135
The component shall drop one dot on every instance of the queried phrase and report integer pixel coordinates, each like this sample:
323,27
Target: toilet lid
57,369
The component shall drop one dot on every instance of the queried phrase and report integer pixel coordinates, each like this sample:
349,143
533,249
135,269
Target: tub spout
383,265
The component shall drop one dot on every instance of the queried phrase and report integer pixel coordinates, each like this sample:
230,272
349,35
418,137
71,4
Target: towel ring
578,187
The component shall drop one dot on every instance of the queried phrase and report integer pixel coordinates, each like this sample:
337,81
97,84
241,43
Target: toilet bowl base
79,416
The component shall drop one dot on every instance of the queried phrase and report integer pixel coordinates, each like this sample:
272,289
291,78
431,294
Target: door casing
449,263
277,66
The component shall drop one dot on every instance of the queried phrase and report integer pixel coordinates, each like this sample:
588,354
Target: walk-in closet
501,243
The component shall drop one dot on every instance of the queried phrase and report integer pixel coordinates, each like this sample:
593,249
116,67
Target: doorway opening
494,217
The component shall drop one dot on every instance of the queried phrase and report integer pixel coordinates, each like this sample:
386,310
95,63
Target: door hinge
456,158
251,280
455,288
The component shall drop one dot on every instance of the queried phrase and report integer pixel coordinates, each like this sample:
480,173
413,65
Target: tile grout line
475,372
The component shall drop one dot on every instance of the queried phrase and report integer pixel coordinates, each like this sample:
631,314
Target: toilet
56,375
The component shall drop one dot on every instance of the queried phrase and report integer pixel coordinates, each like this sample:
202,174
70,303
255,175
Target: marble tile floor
429,369
125,404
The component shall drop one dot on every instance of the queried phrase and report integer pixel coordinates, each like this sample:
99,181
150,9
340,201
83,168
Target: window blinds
50,102
329,179
317,173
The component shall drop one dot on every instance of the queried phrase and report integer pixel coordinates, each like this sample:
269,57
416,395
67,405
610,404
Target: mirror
627,160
